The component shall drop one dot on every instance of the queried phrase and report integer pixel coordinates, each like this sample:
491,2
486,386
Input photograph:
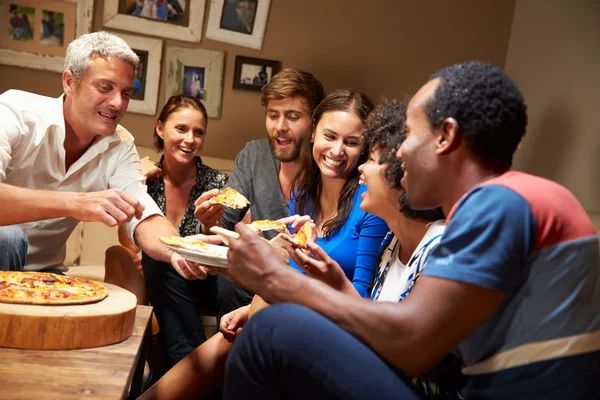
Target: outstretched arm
111,207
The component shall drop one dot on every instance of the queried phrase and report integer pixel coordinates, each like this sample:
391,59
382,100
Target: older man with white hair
67,159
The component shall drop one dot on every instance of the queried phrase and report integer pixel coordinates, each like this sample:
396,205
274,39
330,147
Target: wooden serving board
80,326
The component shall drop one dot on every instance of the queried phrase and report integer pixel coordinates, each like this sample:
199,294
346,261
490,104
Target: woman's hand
150,169
208,213
296,221
322,267
232,323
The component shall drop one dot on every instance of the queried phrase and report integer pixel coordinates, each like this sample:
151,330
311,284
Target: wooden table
98,373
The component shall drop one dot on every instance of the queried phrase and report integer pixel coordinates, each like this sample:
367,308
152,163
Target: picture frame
42,49
144,98
196,72
239,22
253,73
119,14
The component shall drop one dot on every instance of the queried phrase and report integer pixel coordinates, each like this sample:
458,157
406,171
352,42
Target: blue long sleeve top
354,245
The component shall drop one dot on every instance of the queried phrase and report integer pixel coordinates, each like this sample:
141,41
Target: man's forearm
25,205
147,233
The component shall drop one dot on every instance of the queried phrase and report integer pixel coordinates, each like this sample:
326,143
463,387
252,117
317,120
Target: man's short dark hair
385,127
488,106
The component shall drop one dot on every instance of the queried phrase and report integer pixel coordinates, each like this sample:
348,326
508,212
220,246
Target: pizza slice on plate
188,244
231,198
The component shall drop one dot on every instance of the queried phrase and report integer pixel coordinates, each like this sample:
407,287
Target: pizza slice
299,239
265,225
188,244
231,198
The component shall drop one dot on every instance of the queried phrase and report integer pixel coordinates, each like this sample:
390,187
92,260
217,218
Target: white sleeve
129,177
10,132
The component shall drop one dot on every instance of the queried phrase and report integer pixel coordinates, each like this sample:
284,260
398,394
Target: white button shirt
32,155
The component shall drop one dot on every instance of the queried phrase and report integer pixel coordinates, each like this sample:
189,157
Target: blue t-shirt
528,237
354,245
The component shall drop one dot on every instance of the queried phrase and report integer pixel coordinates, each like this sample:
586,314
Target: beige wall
379,47
554,56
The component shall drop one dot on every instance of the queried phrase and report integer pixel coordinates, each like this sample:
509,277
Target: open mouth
330,162
107,116
186,151
283,142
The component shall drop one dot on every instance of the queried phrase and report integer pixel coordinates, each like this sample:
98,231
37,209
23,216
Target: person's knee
14,245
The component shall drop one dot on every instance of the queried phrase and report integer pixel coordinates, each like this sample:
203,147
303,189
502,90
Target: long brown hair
307,182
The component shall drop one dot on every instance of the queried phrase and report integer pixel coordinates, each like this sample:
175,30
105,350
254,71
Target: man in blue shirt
513,287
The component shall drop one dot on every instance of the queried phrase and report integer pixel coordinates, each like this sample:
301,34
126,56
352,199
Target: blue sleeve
372,230
488,240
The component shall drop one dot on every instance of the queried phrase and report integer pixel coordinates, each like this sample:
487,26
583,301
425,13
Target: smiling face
288,124
338,143
418,152
183,134
97,103
379,199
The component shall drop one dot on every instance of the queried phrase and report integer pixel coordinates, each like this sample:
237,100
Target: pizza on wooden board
231,198
45,288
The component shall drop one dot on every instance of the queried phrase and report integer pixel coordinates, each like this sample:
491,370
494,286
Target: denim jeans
290,352
13,248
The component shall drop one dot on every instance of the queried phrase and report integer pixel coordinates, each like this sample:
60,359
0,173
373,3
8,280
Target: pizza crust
266,225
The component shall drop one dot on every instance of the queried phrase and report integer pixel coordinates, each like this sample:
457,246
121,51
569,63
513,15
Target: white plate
218,260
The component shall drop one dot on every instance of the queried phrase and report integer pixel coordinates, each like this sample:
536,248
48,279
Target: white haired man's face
96,103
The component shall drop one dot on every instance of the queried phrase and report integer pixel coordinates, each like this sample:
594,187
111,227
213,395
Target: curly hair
307,182
488,106
385,128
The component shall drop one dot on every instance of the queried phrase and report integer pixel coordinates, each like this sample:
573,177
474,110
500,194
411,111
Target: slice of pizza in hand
231,198
299,239
266,225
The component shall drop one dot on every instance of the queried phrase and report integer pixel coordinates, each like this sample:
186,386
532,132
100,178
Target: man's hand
150,169
112,207
252,259
232,323
322,267
209,214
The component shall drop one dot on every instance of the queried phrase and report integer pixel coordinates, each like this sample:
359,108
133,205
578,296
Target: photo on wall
139,84
253,73
198,73
169,11
193,82
20,23
53,28
239,15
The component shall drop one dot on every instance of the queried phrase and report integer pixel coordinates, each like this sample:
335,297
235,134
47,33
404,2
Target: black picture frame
250,73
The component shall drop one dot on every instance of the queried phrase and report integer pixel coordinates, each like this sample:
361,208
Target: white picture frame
186,66
84,14
218,20
151,75
191,32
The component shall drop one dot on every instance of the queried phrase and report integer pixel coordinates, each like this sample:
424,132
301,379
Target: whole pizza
46,288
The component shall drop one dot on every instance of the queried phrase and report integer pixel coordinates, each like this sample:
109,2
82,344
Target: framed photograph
145,88
239,22
173,19
253,73
198,73
35,34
